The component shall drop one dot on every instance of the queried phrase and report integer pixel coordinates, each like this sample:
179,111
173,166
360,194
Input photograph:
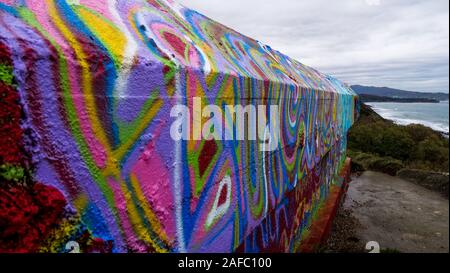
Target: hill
397,93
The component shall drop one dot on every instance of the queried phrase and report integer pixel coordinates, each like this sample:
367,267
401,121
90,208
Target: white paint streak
130,51
266,206
178,180
218,211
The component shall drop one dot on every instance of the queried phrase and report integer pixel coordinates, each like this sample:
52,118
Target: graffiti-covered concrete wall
94,149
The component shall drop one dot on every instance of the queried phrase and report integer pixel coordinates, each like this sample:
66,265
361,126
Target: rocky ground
343,237
401,216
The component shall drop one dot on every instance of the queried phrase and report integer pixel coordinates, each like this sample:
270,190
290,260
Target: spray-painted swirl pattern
98,79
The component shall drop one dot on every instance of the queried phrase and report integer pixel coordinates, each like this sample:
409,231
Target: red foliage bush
27,215
10,131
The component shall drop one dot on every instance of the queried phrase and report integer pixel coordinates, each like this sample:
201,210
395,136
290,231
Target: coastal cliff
381,145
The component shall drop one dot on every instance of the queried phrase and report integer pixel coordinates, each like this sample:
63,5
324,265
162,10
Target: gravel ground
343,237
401,216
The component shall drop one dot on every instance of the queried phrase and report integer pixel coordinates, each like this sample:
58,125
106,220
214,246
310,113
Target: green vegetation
380,145
6,74
12,173
364,161
433,181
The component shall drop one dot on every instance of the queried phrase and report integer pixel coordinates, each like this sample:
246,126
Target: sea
433,115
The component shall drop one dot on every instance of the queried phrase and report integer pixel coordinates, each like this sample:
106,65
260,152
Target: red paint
223,195
321,227
176,43
206,155
33,96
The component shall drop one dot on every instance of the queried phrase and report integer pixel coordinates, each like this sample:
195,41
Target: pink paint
97,151
41,10
42,15
9,2
154,178
200,227
121,206
171,38
100,6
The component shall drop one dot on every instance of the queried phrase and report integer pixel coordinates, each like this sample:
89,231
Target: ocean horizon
433,115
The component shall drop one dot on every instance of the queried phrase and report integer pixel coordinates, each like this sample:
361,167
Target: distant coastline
373,98
432,115
407,107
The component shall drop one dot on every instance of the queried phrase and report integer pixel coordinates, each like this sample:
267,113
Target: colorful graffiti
93,83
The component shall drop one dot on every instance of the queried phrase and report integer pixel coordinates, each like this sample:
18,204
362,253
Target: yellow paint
89,96
147,210
110,36
136,221
81,202
146,120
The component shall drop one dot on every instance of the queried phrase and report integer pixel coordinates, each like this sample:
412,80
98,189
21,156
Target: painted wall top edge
210,47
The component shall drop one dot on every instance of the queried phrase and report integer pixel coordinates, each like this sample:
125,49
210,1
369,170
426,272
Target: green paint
29,17
126,130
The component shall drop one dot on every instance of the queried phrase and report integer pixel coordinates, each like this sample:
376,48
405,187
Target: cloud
396,43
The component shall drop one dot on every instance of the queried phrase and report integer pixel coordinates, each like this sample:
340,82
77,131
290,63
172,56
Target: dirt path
398,214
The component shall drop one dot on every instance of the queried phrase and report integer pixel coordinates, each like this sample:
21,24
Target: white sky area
395,43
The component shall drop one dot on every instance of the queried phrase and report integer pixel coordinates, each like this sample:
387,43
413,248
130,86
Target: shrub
415,146
430,180
419,132
386,165
365,161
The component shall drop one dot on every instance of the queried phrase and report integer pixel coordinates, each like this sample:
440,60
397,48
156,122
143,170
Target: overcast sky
396,43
